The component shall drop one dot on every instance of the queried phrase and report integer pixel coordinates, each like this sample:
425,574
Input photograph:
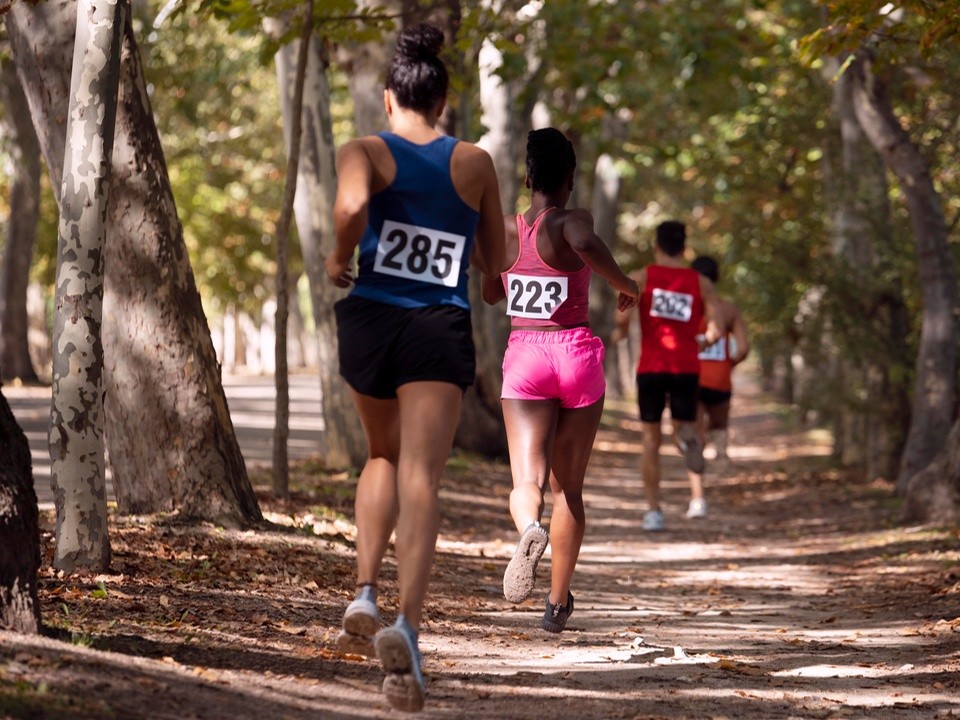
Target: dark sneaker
555,616
521,573
692,450
400,658
361,620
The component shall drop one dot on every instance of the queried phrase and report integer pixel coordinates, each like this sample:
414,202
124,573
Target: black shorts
382,347
711,397
652,392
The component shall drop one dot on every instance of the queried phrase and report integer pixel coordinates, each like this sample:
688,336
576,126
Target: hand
626,302
339,272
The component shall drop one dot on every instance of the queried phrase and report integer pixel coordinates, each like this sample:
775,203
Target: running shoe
361,620
521,573
555,615
653,521
692,450
697,508
403,686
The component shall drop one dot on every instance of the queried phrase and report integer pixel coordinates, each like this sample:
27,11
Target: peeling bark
169,434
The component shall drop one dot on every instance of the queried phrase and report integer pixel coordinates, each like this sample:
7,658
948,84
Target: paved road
251,400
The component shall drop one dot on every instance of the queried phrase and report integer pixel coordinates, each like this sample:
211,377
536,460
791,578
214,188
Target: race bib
671,305
717,351
529,296
419,253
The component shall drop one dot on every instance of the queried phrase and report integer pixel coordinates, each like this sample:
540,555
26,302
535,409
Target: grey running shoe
697,508
692,450
361,620
520,575
653,521
555,615
403,686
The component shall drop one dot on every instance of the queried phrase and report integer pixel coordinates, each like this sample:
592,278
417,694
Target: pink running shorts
564,365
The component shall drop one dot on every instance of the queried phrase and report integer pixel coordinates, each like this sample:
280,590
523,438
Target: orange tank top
716,370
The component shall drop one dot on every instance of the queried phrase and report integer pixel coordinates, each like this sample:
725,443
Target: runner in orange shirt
716,368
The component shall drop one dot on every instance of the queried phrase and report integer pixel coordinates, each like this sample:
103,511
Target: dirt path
799,597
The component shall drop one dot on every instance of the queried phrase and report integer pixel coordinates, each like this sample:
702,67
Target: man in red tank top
716,365
674,302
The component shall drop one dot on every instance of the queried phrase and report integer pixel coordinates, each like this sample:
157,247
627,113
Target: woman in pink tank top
553,381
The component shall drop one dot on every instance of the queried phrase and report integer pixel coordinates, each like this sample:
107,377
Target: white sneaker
697,508
360,623
653,520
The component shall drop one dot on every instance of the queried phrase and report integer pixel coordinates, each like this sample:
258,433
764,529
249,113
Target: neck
540,202
413,125
669,260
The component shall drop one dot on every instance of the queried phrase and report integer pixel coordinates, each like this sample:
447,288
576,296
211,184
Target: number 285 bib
419,253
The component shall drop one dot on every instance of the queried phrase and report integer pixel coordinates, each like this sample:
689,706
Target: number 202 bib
419,253
671,305
529,296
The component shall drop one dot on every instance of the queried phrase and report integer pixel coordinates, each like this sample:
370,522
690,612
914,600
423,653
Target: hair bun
420,42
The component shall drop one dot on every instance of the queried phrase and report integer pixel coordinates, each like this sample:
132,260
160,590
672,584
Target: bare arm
738,329
354,173
579,234
489,251
711,309
622,327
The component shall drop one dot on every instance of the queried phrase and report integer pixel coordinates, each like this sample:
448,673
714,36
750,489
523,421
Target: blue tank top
416,249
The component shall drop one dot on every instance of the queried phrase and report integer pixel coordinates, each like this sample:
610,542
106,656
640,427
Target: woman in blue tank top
421,207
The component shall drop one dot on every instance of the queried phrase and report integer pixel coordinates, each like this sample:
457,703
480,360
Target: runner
553,382
716,369
674,301
413,200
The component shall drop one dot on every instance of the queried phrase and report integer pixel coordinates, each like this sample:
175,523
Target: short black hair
672,237
416,74
550,159
708,267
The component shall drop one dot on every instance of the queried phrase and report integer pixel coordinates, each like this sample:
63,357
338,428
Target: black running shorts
711,397
382,347
653,390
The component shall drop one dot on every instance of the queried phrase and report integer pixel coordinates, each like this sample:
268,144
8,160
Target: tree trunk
343,442
856,180
365,64
933,494
936,379
482,429
603,299
281,432
19,530
76,425
21,229
169,434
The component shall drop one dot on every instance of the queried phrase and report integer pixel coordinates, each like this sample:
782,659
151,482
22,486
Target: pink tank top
539,295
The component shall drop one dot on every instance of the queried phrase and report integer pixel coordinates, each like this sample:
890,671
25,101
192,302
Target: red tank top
716,370
539,295
671,311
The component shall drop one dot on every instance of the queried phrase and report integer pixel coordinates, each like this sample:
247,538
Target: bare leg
429,414
376,500
690,429
576,430
530,428
650,464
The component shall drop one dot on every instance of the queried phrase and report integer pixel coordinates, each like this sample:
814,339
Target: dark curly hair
416,74
707,266
550,159
672,237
